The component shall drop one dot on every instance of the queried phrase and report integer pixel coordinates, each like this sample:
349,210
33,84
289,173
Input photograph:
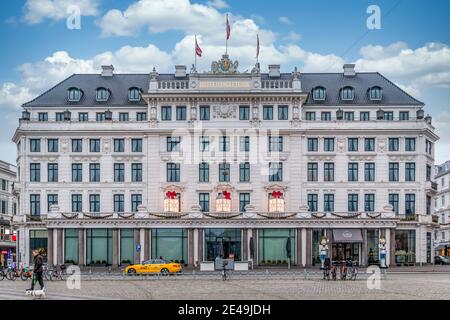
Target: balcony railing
408,217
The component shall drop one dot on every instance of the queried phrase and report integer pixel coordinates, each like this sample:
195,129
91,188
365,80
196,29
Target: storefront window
99,246
170,244
317,234
223,243
373,238
38,241
126,246
71,246
273,246
405,246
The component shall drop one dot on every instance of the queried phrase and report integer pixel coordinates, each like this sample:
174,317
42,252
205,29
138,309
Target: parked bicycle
58,272
334,266
352,270
47,273
2,273
224,271
327,269
26,273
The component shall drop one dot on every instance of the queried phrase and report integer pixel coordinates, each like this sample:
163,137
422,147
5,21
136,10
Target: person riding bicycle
37,270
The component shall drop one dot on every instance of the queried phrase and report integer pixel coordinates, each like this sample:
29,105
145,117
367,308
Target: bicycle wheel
2,276
24,276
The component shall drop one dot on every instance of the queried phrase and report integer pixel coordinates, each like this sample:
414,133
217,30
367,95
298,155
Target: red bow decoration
277,194
227,195
171,194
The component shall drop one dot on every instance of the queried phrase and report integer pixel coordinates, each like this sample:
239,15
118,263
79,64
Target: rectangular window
35,172
244,199
136,145
52,145
275,144
428,204
353,202
328,202
388,115
136,172
94,172
244,172
364,116
310,116
428,147
83,116
393,201
119,172
173,144
52,199
244,144
77,145
410,171
369,202
313,171
267,112
353,171
77,172
283,112
119,145
77,203
166,113
136,201
35,145
369,144
410,144
203,201
124,116
181,113
94,203
393,171
205,113
52,172
328,144
328,171
224,144
203,172
204,144
428,172
173,172
369,171
244,113
119,203
404,115
59,116
352,144
275,171
312,202
393,144
325,116
349,116
94,145
141,116
42,116
100,116
410,204
35,204
313,144
224,172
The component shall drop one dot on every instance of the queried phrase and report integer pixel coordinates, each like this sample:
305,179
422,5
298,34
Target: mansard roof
119,84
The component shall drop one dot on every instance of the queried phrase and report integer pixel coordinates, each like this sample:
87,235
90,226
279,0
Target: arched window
319,93
102,94
134,94
74,94
375,93
347,93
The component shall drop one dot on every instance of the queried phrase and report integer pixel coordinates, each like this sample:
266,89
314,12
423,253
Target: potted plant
284,261
278,261
410,258
400,256
269,262
263,262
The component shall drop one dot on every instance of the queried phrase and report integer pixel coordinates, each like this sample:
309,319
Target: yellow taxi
154,266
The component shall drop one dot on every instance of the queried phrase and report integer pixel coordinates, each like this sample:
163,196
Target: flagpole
195,53
226,37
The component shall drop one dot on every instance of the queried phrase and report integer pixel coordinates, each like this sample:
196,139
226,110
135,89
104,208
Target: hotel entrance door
344,251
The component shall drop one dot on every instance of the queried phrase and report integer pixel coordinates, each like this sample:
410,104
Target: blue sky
412,47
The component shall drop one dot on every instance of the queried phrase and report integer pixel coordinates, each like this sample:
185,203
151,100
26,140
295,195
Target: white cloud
292,37
38,10
12,96
285,20
218,4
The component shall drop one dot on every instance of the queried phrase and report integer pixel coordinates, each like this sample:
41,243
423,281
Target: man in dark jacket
38,270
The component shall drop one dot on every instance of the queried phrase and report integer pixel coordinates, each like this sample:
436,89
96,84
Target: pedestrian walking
37,270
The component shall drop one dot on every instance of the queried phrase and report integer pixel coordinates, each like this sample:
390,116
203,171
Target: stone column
364,248
330,243
81,253
298,254
308,247
201,233
59,246
142,243
50,248
244,245
256,242
137,255
191,247
391,248
147,244
303,242
115,251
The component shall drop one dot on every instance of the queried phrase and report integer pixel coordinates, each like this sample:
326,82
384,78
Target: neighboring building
118,168
442,208
8,208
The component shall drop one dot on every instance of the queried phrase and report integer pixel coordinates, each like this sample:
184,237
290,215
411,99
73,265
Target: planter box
207,266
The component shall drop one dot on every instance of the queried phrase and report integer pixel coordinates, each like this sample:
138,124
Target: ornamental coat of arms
224,66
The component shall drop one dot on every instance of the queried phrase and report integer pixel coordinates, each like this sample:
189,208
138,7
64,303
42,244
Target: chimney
180,71
107,71
274,71
349,70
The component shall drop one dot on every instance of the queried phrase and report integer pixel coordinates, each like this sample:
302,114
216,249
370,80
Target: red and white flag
198,50
257,46
228,28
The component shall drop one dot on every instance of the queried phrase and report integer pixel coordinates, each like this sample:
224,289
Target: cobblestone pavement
395,286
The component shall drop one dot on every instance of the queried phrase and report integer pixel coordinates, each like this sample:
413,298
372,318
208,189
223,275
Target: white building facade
8,208
121,168
442,208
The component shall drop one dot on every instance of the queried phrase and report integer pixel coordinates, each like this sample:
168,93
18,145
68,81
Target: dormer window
134,94
319,93
375,93
102,94
347,93
74,94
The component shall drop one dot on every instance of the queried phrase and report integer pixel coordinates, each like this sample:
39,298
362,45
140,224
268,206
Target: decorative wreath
70,215
221,215
169,215
92,216
346,216
277,215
